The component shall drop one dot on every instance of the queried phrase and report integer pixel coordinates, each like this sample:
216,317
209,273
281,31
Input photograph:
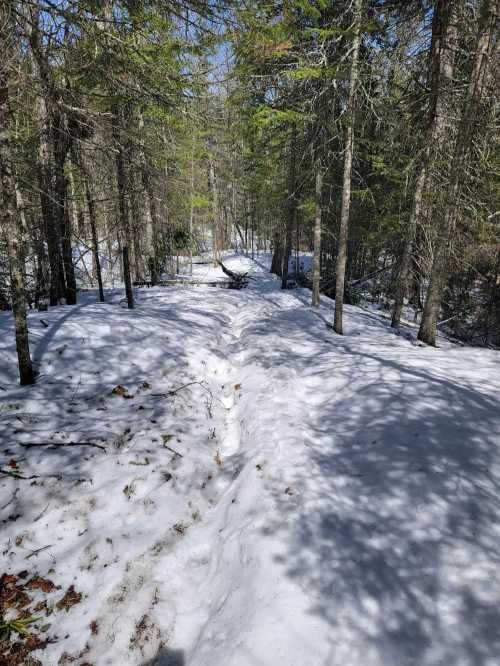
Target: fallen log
240,278
222,284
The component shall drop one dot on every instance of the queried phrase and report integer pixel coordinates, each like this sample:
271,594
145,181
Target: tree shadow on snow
396,532
167,657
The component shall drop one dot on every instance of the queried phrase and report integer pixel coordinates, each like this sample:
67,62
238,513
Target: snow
272,494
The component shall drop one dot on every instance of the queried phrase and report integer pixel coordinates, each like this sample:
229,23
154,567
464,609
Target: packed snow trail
336,501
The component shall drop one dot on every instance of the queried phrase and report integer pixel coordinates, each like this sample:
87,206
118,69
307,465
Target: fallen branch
41,514
14,475
29,445
38,550
174,391
173,451
240,278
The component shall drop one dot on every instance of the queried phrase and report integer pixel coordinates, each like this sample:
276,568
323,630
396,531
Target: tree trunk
95,242
291,209
121,179
440,78
215,213
406,257
346,186
66,248
50,133
483,57
153,214
10,221
277,258
316,272
136,220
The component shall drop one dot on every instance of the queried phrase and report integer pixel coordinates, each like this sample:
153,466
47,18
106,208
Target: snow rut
241,581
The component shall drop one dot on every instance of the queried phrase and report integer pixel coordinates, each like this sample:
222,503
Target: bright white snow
271,495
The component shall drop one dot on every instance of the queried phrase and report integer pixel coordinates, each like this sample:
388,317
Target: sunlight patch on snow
268,493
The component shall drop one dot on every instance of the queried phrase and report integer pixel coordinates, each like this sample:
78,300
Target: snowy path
336,501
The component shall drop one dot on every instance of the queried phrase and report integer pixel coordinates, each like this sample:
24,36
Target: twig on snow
173,451
174,391
14,475
41,514
29,445
38,550
11,500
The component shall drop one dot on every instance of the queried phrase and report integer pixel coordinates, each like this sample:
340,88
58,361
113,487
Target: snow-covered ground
269,493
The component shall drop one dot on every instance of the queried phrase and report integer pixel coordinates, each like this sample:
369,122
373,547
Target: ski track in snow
336,501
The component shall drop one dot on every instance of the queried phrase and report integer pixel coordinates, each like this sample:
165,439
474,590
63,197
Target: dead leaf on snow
71,598
123,391
39,583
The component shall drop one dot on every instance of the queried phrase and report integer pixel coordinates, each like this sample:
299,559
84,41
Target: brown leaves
17,641
39,583
12,595
123,391
16,645
70,599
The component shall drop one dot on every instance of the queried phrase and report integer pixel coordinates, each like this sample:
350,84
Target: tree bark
66,247
347,178
440,79
50,158
95,241
154,262
277,258
10,220
215,213
121,179
291,209
316,272
483,57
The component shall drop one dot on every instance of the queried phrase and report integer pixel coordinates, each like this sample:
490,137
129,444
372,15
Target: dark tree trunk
347,178
136,220
10,220
66,249
154,262
48,120
215,213
122,183
483,57
95,241
291,209
128,283
277,258
440,78
316,268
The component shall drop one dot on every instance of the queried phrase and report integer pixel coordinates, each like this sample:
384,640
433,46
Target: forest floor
266,493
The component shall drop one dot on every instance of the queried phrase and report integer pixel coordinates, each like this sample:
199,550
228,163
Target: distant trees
417,189
99,110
